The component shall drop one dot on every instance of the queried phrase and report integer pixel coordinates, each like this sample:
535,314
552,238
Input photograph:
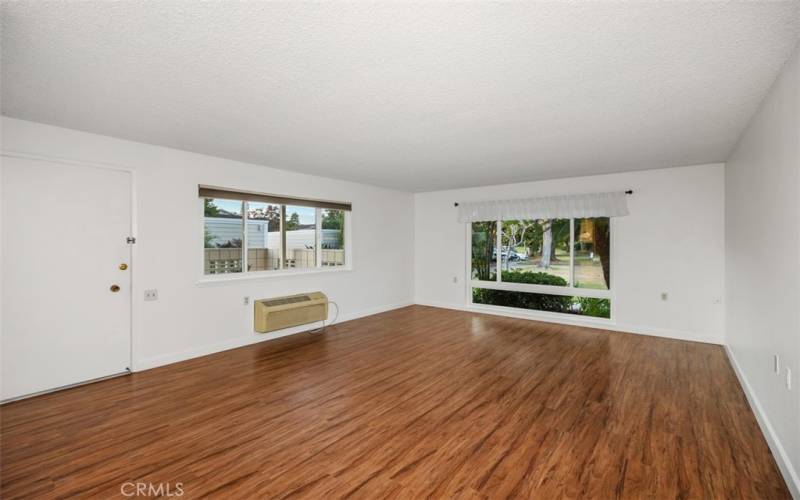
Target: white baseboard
254,338
706,338
790,474
565,319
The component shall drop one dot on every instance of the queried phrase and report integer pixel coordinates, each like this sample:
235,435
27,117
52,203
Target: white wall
191,319
763,264
673,241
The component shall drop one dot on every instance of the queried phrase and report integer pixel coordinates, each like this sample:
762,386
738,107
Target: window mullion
283,237
499,253
318,237
572,253
244,236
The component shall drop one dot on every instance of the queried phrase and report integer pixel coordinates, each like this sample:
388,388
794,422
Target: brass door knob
115,288
123,266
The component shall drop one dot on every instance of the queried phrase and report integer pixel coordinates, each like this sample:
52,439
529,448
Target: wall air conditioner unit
293,310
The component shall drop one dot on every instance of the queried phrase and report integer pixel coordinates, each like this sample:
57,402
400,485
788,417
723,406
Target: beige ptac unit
293,310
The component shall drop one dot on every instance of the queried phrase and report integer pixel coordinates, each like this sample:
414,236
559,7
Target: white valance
550,207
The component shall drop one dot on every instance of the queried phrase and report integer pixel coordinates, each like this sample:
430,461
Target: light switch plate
151,294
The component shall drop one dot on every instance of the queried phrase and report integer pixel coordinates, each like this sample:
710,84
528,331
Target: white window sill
221,279
545,289
547,316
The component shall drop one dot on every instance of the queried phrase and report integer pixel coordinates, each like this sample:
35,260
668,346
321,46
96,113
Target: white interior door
64,230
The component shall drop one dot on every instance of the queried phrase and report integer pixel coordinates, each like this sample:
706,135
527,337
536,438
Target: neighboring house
258,234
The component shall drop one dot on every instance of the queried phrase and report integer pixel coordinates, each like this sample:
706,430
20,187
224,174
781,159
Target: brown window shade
229,194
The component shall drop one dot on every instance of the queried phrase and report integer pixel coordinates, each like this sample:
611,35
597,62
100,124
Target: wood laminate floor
412,403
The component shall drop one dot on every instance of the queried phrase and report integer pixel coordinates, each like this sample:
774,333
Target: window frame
569,290
282,270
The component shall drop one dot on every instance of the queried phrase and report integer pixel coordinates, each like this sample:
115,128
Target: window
592,253
263,236
534,247
332,237
277,233
553,265
301,237
223,236
484,247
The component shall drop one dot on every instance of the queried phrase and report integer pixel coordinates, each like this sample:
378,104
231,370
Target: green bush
525,300
599,308
584,306
533,278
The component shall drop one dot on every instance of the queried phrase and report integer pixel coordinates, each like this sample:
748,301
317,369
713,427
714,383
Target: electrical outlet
151,294
776,364
246,301
664,296
788,378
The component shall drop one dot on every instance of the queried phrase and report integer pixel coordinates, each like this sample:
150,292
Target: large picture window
248,232
552,265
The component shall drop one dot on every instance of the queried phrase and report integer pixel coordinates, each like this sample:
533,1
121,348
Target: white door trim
134,234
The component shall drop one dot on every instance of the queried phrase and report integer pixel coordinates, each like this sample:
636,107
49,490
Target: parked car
510,254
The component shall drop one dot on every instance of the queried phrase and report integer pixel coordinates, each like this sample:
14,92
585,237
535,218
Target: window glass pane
223,236
592,253
535,251
582,306
263,236
301,237
484,241
332,237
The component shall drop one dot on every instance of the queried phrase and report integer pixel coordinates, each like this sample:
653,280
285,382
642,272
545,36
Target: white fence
229,260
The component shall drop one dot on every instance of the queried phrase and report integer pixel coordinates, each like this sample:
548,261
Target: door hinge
131,240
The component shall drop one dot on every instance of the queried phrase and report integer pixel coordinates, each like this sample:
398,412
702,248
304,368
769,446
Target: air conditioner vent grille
286,300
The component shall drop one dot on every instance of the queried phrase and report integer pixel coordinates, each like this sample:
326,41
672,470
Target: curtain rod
629,191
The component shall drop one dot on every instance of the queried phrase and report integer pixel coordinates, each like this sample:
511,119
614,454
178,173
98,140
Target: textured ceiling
411,96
